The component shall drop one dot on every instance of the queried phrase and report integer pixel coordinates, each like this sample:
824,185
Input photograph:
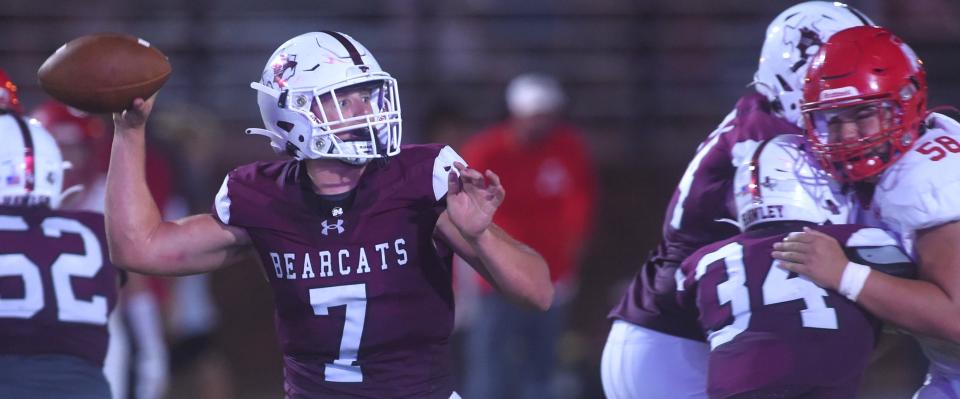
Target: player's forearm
916,305
516,269
131,214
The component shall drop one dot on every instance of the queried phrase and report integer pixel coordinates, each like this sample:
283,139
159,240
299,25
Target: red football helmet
82,137
8,94
69,125
864,101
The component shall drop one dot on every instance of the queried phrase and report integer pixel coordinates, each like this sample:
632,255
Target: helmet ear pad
290,127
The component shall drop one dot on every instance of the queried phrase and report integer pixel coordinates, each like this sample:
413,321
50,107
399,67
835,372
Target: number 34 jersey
769,328
364,304
57,285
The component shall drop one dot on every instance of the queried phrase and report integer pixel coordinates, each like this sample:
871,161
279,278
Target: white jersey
919,191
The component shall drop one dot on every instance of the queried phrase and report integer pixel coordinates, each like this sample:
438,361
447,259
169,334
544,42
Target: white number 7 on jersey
355,297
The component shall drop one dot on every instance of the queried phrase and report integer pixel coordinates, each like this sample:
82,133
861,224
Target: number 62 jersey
363,296
57,285
769,329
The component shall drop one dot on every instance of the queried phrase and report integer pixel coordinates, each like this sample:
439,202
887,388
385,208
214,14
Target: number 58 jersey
768,328
921,190
57,285
363,296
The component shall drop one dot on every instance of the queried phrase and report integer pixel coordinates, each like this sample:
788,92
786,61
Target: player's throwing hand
136,116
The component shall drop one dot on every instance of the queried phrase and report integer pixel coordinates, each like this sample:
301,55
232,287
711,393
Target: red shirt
550,188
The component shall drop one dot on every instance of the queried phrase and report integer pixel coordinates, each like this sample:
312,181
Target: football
104,72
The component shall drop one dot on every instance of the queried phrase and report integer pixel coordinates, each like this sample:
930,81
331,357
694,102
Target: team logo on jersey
327,227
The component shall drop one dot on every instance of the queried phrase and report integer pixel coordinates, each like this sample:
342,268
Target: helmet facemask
857,139
356,139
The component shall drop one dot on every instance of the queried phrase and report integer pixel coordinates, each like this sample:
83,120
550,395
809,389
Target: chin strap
354,147
280,144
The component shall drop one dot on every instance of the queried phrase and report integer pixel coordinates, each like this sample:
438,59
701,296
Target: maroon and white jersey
364,303
694,217
57,285
769,329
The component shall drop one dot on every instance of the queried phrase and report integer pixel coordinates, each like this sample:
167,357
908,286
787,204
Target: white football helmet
793,38
322,64
782,181
31,167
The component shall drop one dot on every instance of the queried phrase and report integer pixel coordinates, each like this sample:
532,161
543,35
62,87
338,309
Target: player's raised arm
139,239
513,268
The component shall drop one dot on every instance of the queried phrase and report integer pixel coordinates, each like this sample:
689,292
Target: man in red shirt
511,351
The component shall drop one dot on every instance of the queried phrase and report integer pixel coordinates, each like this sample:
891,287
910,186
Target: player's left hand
472,200
812,254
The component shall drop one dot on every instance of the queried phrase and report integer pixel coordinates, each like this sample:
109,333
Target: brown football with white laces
104,72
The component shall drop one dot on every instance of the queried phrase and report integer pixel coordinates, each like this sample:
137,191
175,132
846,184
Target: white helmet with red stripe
320,65
31,167
782,182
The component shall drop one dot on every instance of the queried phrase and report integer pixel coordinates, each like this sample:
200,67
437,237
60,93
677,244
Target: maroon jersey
694,216
57,285
364,304
773,332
